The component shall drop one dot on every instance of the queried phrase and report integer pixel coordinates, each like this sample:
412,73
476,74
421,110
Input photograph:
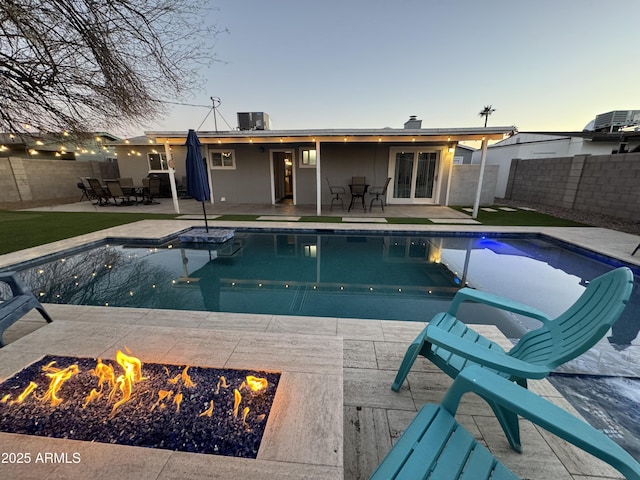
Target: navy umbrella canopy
197,179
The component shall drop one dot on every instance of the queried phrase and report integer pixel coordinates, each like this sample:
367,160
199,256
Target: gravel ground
588,218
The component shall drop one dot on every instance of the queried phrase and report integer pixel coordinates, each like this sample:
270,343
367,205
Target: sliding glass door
414,174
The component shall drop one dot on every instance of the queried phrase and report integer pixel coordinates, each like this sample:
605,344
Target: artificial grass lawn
520,218
19,230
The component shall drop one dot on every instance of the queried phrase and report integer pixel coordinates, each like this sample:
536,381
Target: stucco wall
249,182
464,184
27,180
605,184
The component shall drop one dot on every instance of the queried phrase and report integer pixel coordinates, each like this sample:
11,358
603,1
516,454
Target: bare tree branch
82,65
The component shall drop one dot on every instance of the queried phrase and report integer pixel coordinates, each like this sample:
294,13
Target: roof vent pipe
413,122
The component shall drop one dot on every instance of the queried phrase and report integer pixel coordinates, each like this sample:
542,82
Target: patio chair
84,186
380,194
20,303
358,188
436,446
117,193
102,195
337,191
150,189
451,345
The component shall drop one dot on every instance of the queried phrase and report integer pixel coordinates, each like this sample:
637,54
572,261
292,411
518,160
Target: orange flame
104,373
162,394
256,384
175,379
132,367
93,395
236,402
245,412
25,393
177,399
58,377
221,383
6,398
186,379
208,412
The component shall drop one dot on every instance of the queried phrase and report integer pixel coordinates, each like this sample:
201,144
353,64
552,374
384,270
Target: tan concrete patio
339,425
192,208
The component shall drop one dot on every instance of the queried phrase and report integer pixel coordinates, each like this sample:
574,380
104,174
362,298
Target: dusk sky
543,65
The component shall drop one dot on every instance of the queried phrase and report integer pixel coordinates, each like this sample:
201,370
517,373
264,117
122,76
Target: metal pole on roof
483,159
215,119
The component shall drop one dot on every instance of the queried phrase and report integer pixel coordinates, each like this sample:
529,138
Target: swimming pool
309,273
362,275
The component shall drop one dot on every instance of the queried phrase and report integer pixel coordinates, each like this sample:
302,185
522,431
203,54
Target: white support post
172,176
483,159
318,181
446,198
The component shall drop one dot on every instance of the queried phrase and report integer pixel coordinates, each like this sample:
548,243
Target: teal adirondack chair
435,446
451,345
19,304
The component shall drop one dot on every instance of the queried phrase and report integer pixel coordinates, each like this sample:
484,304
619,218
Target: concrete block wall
604,184
8,188
27,180
539,180
611,186
464,182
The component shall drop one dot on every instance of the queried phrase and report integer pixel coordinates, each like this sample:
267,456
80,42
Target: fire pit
174,407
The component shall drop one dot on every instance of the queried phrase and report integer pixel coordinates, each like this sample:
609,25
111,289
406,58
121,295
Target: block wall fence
25,180
604,184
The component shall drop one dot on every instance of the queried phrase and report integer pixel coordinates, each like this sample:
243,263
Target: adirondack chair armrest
470,295
16,286
483,355
543,413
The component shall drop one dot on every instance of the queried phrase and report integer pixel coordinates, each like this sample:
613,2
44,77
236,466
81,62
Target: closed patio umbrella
197,179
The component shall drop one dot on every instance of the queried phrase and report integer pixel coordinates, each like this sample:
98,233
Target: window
157,161
307,158
223,159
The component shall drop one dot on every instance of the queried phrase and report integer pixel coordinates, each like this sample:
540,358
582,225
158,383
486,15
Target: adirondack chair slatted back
581,326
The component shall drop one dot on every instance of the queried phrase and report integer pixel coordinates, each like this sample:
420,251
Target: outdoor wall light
452,148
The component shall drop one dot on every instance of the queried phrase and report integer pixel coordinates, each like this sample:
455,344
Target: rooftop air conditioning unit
253,121
615,120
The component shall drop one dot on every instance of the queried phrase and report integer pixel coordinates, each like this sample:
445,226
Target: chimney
413,122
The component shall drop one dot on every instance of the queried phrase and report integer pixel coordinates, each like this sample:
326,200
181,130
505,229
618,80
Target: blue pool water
409,278
336,275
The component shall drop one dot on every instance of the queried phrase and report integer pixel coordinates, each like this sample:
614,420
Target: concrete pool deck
346,417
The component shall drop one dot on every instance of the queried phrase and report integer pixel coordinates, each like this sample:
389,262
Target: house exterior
269,166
